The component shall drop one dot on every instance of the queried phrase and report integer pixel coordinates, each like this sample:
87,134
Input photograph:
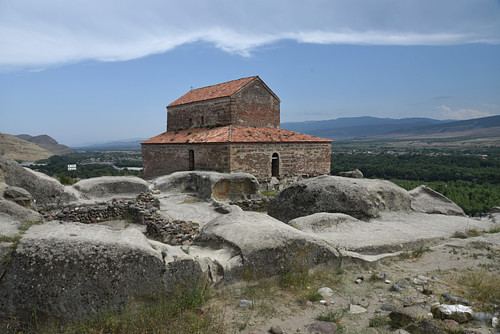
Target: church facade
233,126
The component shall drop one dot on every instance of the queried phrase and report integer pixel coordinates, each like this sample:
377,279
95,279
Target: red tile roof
212,92
233,134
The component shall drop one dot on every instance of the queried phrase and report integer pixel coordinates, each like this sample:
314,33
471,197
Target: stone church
233,126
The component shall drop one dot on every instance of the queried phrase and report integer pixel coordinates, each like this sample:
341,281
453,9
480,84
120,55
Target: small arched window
191,159
275,165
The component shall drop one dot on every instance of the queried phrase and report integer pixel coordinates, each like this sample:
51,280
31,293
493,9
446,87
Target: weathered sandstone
359,198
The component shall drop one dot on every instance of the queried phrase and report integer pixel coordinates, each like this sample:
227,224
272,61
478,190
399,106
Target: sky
85,71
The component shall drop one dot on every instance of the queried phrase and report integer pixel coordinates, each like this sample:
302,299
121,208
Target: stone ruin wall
162,159
306,159
255,106
208,113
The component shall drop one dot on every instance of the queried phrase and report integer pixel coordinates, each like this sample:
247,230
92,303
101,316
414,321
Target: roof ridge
226,82
233,134
215,91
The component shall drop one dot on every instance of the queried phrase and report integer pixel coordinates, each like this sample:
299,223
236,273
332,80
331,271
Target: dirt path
455,266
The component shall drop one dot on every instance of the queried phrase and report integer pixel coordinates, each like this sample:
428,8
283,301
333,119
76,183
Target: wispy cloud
443,97
461,114
37,33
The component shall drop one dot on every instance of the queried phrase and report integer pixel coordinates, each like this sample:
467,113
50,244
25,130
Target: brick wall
161,159
294,159
255,106
252,106
199,114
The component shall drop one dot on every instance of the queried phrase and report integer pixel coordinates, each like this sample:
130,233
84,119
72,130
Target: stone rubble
259,204
459,313
143,210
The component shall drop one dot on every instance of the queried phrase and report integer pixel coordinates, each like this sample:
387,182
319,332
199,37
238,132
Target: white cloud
37,33
461,114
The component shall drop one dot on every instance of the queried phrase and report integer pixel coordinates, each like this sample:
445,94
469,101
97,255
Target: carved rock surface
266,245
212,185
111,186
74,271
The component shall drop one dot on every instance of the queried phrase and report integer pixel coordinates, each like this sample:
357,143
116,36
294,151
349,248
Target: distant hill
361,128
48,143
478,127
19,149
125,144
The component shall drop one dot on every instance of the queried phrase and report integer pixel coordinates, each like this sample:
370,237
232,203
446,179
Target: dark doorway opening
191,159
275,165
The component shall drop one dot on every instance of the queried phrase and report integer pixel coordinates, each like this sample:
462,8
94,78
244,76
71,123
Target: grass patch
414,253
129,218
494,230
481,287
15,238
379,321
191,200
296,280
304,284
335,317
22,229
269,193
329,317
26,225
473,233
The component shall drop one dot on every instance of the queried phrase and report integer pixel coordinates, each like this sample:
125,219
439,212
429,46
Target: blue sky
84,71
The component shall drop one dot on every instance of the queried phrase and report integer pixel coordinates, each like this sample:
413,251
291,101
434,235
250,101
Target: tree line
470,180
89,165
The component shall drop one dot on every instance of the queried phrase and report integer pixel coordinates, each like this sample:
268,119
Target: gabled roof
233,134
215,91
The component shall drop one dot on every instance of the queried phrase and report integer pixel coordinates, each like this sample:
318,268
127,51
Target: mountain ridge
366,127
16,148
46,142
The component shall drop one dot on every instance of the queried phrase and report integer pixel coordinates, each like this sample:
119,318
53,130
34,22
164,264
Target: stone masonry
233,127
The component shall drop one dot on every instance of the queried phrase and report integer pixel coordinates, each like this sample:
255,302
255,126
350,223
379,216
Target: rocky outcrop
47,192
459,313
9,226
111,186
19,196
266,246
426,200
323,222
77,271
355,174
211,185
19,212
359,198
72,271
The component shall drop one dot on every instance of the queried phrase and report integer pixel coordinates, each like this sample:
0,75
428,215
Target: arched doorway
275,165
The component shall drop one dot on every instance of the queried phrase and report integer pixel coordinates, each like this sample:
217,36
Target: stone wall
214,112
255,106
307,159
162,159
